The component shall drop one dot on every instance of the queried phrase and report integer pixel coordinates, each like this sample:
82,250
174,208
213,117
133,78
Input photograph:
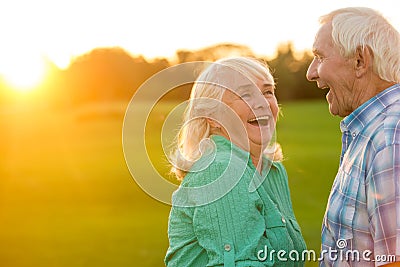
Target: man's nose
312,73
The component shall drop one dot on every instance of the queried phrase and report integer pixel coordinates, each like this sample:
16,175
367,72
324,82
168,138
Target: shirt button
354,134
227,247
283,220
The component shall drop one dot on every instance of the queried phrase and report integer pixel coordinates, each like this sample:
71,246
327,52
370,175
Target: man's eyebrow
315,51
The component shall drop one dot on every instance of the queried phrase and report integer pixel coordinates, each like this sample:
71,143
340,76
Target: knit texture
218,219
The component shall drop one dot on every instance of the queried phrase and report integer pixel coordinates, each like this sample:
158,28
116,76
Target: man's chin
333,110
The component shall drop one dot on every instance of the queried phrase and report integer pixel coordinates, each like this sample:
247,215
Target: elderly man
357,57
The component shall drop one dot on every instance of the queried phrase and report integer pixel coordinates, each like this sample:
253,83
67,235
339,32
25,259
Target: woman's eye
245,95
268,92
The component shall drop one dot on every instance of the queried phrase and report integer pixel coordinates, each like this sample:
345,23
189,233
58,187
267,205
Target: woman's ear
363,60
213,123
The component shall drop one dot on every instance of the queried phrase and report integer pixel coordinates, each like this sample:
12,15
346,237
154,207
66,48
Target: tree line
113,74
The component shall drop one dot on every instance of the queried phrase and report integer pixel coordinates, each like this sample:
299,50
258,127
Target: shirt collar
224,144
360,117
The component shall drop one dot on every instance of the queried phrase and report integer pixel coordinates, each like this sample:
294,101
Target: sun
22,72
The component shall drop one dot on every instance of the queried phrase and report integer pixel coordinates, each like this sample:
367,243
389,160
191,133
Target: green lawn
310,137
68,199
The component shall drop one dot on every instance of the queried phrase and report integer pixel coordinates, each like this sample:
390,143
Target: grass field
68,199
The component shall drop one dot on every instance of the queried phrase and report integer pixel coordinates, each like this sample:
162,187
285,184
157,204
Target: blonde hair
196,128
361,27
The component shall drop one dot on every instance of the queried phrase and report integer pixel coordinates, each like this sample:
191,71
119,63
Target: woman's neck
257,161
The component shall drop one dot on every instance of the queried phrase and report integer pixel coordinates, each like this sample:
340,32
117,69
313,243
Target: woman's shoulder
279,167
278,174
211,167
210,183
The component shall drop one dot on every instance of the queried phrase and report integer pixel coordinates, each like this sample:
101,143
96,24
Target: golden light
22,72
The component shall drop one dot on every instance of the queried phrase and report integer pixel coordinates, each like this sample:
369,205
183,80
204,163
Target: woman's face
257,108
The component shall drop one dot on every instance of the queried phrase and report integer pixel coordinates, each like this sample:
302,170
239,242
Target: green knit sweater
226,214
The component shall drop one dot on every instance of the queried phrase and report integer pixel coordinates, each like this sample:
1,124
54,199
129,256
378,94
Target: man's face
334,72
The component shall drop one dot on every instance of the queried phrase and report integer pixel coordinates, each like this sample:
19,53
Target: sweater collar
224,144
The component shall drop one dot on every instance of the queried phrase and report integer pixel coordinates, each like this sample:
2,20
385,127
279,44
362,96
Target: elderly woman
233,206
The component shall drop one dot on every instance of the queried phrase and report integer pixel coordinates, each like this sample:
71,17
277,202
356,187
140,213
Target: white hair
360,27
209,85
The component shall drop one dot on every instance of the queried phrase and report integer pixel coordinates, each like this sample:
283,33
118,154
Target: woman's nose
260,102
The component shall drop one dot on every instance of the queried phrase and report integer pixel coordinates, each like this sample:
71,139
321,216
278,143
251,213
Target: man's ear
363,60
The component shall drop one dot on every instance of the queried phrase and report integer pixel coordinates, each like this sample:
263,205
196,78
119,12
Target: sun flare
22,72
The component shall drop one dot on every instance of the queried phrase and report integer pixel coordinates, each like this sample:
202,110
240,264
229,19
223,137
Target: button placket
229,255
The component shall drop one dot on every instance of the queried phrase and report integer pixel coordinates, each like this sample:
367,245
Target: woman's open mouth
260,121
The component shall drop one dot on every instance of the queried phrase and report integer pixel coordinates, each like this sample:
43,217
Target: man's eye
318,58
246,95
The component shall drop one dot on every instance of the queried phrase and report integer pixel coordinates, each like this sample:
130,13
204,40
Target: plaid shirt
361,226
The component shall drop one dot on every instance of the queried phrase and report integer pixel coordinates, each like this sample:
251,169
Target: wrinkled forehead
323,37
238,81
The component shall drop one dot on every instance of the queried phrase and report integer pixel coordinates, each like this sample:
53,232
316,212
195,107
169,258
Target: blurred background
68,70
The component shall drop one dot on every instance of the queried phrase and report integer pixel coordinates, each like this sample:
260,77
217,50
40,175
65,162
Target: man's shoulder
391,123
382,130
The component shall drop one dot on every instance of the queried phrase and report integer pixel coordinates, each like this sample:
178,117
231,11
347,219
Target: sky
61,30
